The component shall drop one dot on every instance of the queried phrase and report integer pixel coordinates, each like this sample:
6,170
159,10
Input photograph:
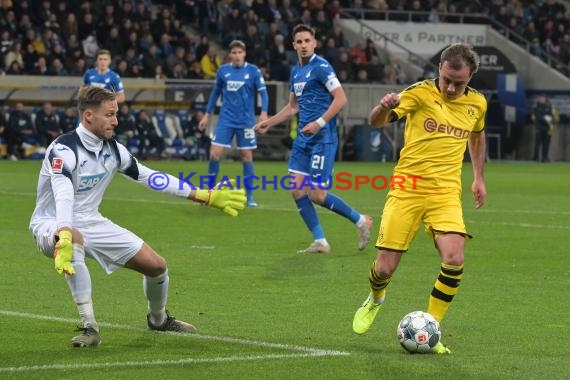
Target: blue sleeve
85,76
215,94
264,100
118,83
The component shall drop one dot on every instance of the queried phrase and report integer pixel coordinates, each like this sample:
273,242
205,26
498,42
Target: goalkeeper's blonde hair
92,97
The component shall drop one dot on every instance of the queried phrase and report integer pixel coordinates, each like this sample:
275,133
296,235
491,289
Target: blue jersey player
317,96
238,82
102,76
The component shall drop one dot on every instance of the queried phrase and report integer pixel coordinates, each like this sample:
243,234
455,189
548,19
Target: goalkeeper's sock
80,286
445,288
213,171
310,217
156,292
378,284
338,205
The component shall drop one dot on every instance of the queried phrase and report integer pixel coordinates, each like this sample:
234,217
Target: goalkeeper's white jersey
75,173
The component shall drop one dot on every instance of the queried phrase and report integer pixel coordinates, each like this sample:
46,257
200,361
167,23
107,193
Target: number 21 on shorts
318,162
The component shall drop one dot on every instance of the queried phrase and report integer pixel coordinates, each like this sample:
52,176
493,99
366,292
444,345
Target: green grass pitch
264,311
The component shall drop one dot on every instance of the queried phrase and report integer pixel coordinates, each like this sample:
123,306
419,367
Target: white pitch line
309,350
146,363
293,209
522,225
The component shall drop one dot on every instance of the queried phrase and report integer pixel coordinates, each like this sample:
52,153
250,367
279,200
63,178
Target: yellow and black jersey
436,134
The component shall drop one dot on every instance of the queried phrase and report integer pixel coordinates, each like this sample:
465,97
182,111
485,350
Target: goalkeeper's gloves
226,198
64,253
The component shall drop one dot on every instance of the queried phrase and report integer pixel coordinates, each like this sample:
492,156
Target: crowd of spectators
26,131
171,39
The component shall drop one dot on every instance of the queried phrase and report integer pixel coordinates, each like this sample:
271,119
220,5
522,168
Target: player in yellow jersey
442,115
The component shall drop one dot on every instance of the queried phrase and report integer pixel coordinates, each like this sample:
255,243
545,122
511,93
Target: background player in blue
317,96
102,76
237,82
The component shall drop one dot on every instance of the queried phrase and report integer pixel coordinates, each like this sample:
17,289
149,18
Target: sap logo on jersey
299,87
234,85
87,182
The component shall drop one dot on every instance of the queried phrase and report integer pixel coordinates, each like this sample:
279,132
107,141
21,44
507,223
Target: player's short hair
237,44
93,97
303,28
103,52
459,54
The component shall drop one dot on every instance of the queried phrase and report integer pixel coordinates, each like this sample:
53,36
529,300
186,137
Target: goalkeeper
68,226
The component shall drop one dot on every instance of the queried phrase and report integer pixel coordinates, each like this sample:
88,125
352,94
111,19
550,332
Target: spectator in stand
331,52
6,42
357,55
208,16
370,50
68,121
122,68
343,65
375,70
195,71
15,69
126,129
30,57
321,24
159,73
177,58
232,26
338,35
78,67
195,137
150,142
151,59
177,72
40,67
210,63
280,68
14,54
262,11
114,43
70,27
20,133
57,68
47,124
90,47
289,14
202,47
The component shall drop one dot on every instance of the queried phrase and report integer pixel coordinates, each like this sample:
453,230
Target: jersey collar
89,140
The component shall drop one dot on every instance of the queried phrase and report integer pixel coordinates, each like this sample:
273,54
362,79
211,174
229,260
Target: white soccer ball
418,332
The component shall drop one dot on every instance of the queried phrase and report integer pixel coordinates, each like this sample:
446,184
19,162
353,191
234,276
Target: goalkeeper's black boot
171,324
89,337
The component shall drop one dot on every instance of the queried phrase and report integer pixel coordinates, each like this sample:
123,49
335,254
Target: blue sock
310,217
336,204
213,171
248,169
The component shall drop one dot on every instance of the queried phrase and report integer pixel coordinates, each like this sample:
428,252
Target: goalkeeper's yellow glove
228,199
64,253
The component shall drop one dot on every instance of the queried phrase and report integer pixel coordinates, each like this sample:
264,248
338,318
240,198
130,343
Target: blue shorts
314,161
245,137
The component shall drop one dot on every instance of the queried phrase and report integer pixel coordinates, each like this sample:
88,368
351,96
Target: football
418,332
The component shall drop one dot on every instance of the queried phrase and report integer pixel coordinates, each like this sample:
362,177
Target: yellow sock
378,284
445,288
